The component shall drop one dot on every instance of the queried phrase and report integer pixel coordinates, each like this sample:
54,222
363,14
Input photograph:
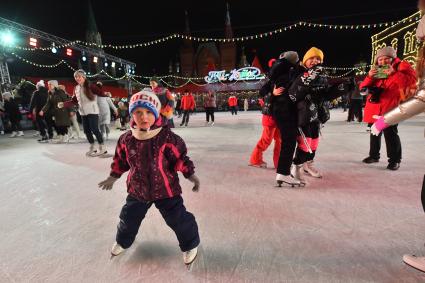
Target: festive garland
233,39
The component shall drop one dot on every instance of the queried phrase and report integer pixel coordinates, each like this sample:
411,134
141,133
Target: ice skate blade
189,266
406,260
106,155
280,183
263,166
91,154
308,174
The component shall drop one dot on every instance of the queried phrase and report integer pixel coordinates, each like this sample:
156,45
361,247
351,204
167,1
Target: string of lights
300,24
169,76
341,76
162,78
125,76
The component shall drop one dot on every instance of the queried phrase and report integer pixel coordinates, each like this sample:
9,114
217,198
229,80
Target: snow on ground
353,225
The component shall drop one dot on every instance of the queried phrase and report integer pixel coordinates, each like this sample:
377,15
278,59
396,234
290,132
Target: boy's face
313,61
384,60
143,118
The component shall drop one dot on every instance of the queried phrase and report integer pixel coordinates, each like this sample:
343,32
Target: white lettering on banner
243,74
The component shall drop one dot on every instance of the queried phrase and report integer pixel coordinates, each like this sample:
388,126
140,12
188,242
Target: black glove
194,179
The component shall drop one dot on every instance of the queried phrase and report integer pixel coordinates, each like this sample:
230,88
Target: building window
394,43
407,43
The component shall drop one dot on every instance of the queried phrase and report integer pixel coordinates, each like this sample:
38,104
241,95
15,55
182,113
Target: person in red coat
386,88
233,104
187,105
270,132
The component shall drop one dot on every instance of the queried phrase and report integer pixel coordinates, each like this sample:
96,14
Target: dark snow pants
176,216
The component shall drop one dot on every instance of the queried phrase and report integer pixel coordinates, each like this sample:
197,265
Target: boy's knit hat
146,99
313,52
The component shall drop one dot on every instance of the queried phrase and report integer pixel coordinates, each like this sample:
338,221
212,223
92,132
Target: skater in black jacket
283,110
309,92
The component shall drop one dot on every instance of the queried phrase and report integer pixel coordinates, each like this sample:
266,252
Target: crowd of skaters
294,110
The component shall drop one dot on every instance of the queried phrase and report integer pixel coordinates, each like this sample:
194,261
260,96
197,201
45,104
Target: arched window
413,42
407,43
394,43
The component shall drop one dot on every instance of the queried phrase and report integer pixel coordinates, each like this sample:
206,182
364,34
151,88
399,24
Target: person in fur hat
153,154
61,115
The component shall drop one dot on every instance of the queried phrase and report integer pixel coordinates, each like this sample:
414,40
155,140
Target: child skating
153,155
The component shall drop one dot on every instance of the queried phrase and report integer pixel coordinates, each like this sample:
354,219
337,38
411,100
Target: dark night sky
122,22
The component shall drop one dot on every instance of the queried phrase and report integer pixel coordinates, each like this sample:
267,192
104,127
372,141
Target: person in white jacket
85,96
105,103
408,109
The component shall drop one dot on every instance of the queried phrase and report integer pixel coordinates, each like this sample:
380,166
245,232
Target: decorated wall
401,36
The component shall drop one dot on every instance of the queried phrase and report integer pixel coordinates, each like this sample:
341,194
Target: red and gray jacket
153,164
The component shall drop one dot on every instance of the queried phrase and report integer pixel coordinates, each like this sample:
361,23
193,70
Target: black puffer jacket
38,99
61,115
282,74
11,107
310,91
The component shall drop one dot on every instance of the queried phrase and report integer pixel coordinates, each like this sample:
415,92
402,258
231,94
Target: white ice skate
102,152
287,179
20,134
189,257
116,249
415,262
91,151
14,134
311,170
298,174
62,139
212,123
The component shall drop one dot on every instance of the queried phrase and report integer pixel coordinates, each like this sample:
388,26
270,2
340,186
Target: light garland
70,67
415,17
406,23
233,39
39,65
340,76
169,76
161,78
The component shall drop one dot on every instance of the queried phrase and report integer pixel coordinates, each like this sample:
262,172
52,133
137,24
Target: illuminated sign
243,74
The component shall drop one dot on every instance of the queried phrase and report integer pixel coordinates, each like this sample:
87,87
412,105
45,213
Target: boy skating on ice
153,154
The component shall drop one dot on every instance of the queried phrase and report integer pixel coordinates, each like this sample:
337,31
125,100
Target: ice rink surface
353,225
